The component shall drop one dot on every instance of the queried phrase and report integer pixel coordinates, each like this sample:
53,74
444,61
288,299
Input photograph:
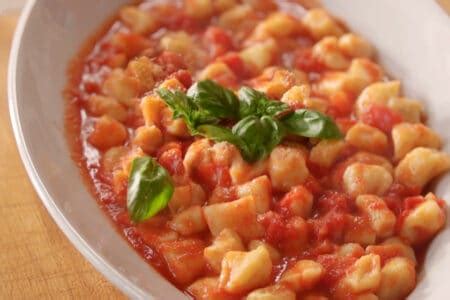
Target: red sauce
333,212
381,117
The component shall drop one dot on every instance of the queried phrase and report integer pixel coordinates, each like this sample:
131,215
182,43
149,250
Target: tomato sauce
317,235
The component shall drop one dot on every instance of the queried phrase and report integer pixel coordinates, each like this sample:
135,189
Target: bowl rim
100,264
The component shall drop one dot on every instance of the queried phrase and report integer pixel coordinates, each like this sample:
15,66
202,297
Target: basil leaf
150,188
184,107
311,123
255,103
260,135
217,100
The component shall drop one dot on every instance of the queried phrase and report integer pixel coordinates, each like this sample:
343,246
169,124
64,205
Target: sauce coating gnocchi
316,218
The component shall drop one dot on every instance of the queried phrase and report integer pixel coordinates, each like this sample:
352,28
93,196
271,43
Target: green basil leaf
255,103
217,100
311,123
184,107
259,134
150,188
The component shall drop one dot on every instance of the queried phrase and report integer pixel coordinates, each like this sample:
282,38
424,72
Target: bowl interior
410,40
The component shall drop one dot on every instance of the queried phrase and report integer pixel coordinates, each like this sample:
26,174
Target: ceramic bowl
413,42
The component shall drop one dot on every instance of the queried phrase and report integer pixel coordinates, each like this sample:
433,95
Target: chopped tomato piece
171,61
130,43
345,124
235,63
305,61
335,268
341,104
333,200
313,185
381,117
218,40
184,77
275,226
212,175
171,158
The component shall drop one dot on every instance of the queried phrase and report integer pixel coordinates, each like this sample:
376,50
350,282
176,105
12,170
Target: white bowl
413,42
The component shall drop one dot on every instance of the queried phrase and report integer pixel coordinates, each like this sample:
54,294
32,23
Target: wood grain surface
36,259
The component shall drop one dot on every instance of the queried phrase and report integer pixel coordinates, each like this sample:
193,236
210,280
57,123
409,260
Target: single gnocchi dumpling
275,255
361,179
148,138
143,69
320,24
372,159
298,202
296,95
421,165
302,276
411,111
151,107
354,45
185,196
259,55
398,279
359,231
364,275
422,222
382,219
245,271
138,20
326,152
176,42
236,15
361,73
199,9
107,133
122,87
393,247
226,241
261,190
219,72
407,136
184,259
332,83
277,25
377,93
350,249
274,292
239,215
189,221
207,288
172,84
242,171
368,138
274,81
287,168
328,53
99,105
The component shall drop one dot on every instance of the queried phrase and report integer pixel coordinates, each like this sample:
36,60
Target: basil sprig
150,188
211,97
255,103
309,123
260,123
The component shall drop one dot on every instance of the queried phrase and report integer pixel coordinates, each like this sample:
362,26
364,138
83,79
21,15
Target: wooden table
36,259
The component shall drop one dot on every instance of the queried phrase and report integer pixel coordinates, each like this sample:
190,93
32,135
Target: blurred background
10,5
36,259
